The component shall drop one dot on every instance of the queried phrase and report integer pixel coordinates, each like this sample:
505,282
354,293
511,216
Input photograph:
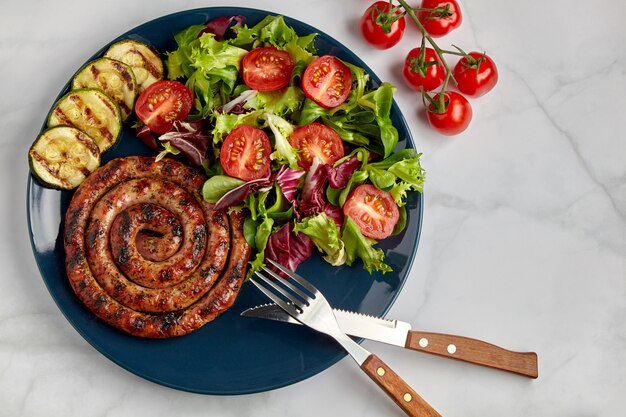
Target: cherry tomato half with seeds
267,68
327,81
456,116
163,103
316,140
245,153
444,19
423,70
374,211
477,75
382,25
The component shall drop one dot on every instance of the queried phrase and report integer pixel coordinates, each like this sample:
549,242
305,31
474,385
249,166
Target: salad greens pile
292,210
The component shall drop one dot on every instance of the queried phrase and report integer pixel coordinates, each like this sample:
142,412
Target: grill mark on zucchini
128,79
91,111
63,119
114,78
94,71
109,105
44,163
63,156
146,64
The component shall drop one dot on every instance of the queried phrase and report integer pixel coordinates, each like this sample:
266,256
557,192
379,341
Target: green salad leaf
281,102
282,129
325,235
211,67
360,247
218,185
224,123
273,31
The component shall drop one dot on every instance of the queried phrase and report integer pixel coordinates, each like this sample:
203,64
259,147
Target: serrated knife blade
399,333
355,324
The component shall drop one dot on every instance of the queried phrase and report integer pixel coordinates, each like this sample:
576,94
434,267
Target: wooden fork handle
399,391
474,351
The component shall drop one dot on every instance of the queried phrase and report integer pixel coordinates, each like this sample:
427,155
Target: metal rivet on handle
451,349
407,397
380,371
423,342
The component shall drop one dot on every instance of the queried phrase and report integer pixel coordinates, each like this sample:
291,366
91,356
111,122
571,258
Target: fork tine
290,297
289,285
300,280
279,301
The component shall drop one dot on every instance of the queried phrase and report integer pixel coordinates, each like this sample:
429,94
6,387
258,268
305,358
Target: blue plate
232,355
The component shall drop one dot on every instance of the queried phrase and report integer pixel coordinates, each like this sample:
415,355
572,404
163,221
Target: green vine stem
440,53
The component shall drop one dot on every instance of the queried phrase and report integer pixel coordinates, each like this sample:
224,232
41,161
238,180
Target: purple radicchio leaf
313,197
238,194
288,180
189,139
287,248
144,134
220,25
339,176
335,213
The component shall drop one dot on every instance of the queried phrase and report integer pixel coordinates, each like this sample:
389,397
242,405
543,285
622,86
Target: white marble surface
524,240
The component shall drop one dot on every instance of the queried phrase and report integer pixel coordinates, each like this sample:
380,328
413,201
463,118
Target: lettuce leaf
282,129
273,30
210,66
224,123
281,102
215,187
360,247
325,235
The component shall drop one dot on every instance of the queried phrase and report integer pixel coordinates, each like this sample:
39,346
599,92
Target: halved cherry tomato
477,75
443,20
374,211
316,139
162,103
426,73
456,116
267,68
327,81
382,25
245,153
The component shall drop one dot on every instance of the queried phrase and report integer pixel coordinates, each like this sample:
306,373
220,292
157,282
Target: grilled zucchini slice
142,59
114,78
63,156
91,111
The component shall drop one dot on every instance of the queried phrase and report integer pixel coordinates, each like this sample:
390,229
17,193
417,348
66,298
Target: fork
305,303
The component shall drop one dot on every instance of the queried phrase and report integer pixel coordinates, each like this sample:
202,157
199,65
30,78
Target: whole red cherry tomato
476,74
454,117
423,70
382,25
445,17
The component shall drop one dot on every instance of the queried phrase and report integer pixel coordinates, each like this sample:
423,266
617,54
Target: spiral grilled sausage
146,254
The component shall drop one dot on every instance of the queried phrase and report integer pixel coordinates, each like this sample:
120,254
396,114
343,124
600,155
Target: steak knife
399,333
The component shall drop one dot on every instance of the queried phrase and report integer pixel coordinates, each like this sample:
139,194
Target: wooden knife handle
474,351
399,391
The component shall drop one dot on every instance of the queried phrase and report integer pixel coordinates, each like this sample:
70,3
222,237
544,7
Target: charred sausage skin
197,257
